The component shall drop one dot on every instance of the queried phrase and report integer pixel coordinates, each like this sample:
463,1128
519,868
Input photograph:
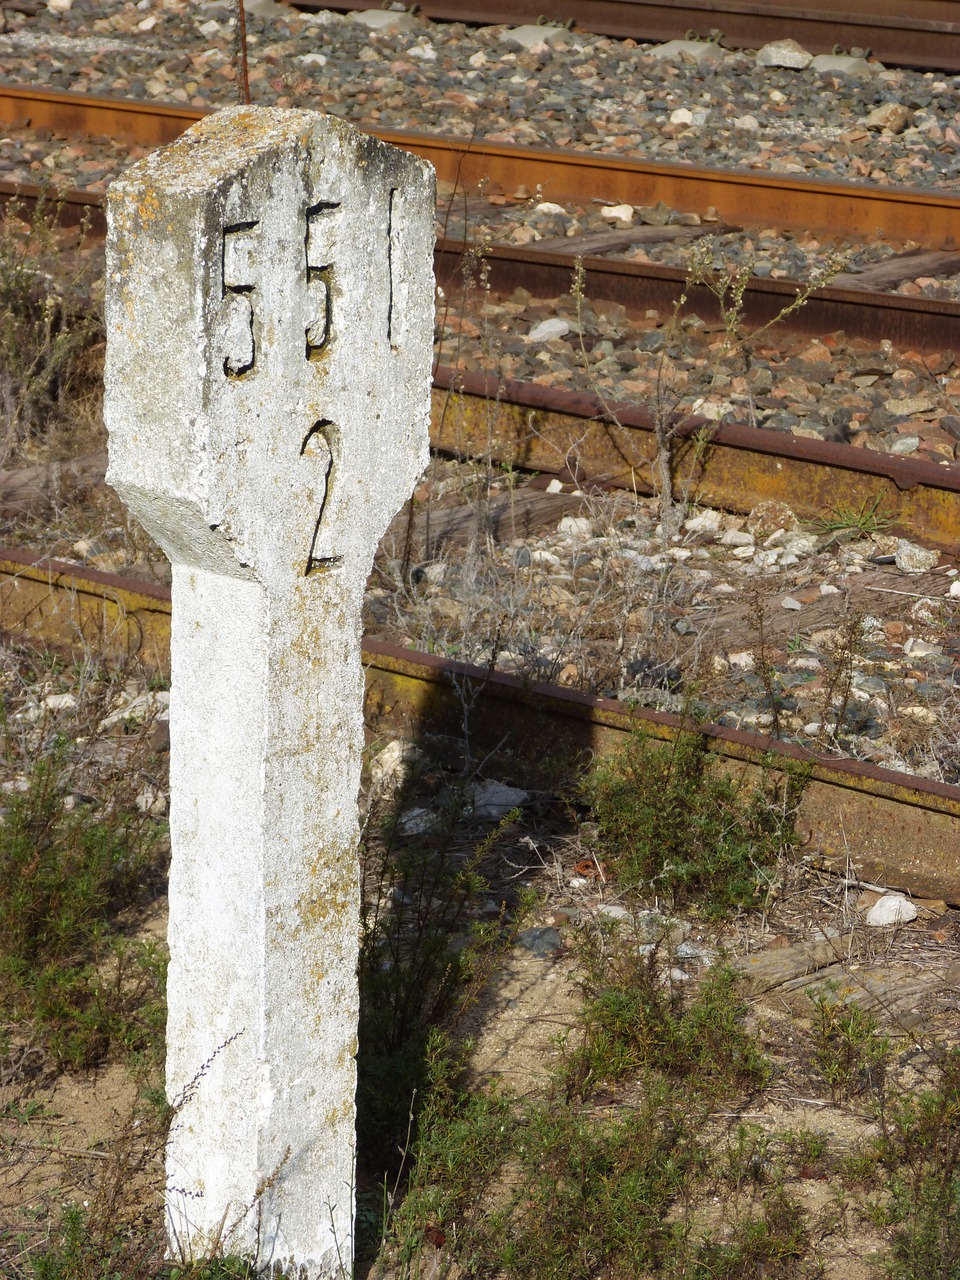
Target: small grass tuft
868,518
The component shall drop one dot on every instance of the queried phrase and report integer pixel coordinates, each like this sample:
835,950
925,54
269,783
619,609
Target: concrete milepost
269,315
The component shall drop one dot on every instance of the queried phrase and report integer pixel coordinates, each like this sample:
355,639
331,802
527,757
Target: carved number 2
318,447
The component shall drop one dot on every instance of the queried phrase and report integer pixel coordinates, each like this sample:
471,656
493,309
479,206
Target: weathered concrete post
269,317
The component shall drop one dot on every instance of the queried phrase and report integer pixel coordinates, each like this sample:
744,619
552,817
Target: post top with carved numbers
269,313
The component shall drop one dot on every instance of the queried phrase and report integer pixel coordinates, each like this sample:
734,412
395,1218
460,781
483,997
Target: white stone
548,206
892,908
313,59
703,522
209,28
264,8
423,50
420,822
954,589
828,589
613,911
269,306
60,702
554,327
617,212
59,6
917,648
750,124
922,715
712,409
576,527
555,486
393,767
800,544
788,602
736,538
153,802
383,19
743,661
531,36
784,53
146,706
682,115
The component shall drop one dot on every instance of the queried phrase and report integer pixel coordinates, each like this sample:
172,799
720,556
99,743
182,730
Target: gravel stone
784,53
892,908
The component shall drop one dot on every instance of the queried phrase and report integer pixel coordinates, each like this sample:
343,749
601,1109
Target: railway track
888,827
927,36
744,465
895,828
927,216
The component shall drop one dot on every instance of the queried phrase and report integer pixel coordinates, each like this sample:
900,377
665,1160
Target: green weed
635,1020
771,1243
867,518
675,825
849,1051
64,878
919,1149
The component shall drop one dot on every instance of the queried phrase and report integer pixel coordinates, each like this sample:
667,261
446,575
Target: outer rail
888,827
929,217
741,466
916,324
929,37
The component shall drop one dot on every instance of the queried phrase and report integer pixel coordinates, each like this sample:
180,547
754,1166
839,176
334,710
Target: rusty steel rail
916,324
886,827
911,323
929,37
735,467
928,217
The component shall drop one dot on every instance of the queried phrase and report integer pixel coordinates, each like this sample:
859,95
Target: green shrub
64,966
675,825
920,1150
635,1021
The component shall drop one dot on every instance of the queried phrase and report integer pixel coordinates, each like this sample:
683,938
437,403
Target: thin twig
49,1150
242,53
892,591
